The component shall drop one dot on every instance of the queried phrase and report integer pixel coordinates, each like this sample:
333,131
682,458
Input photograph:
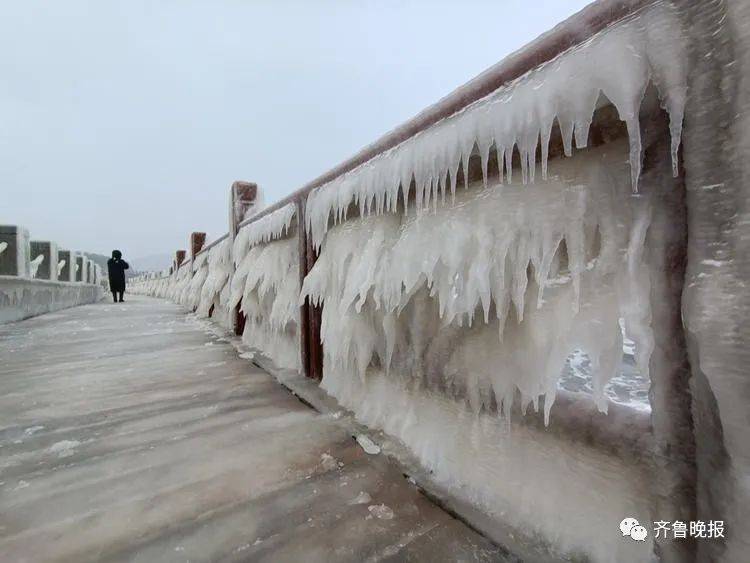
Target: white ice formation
34,265
618,62
266,282
445,310
212,292
270,227
488,296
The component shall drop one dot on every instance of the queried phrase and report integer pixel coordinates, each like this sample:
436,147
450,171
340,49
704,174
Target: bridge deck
128,432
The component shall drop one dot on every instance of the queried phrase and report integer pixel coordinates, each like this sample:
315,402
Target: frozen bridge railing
37,277
536,284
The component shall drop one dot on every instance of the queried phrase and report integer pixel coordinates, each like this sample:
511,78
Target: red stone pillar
311,348
197,240
242,196
179,258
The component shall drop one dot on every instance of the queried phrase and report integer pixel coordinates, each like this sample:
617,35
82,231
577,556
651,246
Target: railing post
197,240
311,349
243,196
14,257
47,268
66,269
80,264
179,258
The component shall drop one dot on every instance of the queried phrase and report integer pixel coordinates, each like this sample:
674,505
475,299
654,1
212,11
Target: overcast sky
123,124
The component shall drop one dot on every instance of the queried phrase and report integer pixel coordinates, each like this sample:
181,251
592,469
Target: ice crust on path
381,511
367,444
65,448
618,62
487,298
362,498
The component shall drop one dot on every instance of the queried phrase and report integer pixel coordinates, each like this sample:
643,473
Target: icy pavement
124,437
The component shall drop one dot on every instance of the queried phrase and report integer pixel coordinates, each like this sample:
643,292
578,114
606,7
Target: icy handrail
618,62
474,256
268,227
572,32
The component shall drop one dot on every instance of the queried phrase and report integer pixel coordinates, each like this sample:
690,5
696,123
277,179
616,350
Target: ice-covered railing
269,227
37,277
266,286
617,63
218,269
445,296
428,329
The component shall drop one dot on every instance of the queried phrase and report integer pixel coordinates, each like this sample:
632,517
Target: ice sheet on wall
487,298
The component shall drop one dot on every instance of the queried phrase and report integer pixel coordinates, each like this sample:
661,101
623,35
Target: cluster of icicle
218,271
180,282
266,281
154,287
34,265
270,227
402,293
618,62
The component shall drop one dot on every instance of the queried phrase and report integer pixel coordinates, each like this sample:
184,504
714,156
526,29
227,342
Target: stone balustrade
37,277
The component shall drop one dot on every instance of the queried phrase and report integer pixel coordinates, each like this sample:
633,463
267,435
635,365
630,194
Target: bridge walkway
129,432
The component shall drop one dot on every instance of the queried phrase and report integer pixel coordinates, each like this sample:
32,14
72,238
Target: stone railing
533,284
37,277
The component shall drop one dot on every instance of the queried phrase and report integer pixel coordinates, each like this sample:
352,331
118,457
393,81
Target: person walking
116,267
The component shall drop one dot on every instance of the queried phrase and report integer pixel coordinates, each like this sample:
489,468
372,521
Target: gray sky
123,124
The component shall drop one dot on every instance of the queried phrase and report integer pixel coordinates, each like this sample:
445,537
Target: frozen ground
124,436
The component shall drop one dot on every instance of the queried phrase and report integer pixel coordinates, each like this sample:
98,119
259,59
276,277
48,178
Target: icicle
532,156
499,151
509,163
454,180
546,133
634,135
465,162
485,157
443,188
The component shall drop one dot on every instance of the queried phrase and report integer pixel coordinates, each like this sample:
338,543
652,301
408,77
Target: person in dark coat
116,267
